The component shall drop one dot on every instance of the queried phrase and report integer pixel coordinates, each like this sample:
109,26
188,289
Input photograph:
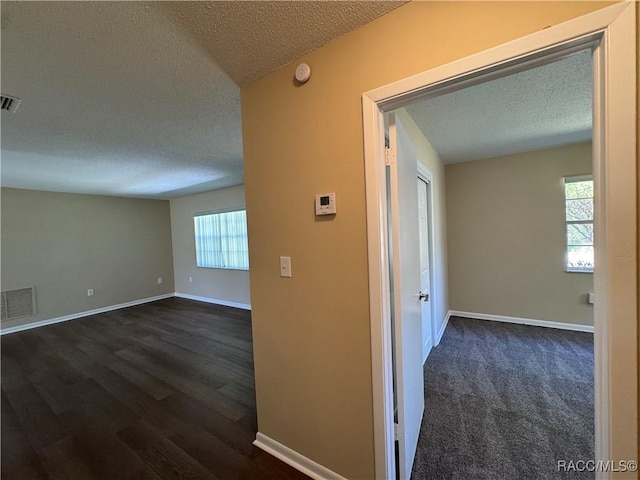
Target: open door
406,305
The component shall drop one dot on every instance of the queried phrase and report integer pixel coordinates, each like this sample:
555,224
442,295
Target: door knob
423,296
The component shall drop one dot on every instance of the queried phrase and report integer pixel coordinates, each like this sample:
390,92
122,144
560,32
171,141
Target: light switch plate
285,267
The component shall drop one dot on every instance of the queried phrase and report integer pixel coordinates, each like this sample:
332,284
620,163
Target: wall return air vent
9,103
17,303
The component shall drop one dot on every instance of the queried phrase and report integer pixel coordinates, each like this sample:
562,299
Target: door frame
611,32
425,175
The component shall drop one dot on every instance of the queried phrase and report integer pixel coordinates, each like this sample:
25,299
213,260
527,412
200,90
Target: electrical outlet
190,279
90,292
160,280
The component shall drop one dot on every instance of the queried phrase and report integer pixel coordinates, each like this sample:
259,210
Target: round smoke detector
303,72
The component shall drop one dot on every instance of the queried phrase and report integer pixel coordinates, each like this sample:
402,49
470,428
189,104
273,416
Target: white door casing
425,267
407,313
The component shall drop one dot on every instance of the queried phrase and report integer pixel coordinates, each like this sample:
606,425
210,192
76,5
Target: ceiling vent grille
17,303
9,103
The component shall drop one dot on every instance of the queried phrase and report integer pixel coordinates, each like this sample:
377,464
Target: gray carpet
505,401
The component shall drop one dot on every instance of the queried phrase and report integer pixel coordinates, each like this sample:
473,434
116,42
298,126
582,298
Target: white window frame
575,179
225,262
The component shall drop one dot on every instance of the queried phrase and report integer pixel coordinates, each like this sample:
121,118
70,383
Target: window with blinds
221,240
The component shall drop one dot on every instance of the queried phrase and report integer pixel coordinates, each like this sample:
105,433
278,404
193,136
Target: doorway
609,32
410,279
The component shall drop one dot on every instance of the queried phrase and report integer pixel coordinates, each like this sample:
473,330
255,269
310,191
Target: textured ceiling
141,98
539,108
249,39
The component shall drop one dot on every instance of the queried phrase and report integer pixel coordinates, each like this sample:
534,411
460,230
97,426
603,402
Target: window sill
224,268
578,270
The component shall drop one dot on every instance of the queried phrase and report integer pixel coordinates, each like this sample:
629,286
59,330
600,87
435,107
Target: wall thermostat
326,204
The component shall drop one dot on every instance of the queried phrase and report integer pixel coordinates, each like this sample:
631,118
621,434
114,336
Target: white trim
522,321
73,316
226,303
443,327
295,459
426,176
133,303
615,280
529,48
379,291
426,347
578,269
588,177
424,173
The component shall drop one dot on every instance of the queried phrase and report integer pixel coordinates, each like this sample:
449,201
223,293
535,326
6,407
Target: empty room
190,247
509,388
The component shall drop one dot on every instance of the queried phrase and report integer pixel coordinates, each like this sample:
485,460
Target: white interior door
406,305
425,268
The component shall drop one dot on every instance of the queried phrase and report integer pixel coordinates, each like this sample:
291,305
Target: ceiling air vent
9,103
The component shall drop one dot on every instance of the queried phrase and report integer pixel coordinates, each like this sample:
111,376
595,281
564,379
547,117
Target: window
578,194
221,240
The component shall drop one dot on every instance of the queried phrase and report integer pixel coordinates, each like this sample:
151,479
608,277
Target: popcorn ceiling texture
116,100
250,39
539,108
141,99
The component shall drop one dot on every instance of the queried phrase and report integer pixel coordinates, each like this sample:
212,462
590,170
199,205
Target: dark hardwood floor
162,390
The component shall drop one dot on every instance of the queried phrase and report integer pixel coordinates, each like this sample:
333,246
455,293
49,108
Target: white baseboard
73,316
426,349
522,321
226,303
295,459
443,327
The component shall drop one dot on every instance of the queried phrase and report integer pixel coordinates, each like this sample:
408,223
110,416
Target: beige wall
311,332
506,234
64,244
213,283
431,160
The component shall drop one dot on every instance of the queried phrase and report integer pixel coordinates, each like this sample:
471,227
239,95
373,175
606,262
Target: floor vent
9,103
17,303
